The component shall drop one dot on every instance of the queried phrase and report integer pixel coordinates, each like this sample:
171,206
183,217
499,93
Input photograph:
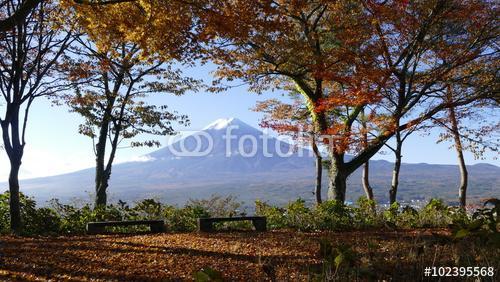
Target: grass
398,255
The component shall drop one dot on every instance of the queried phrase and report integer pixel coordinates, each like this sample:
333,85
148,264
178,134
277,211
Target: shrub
4,212
365,214
61,218
333,215
184,219
392,213
435,214
73,220
218,206
145,209
276,217
298,216
36,221
484,224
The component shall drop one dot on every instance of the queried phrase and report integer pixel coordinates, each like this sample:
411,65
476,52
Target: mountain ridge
174,177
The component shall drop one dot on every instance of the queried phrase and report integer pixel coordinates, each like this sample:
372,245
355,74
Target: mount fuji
230,157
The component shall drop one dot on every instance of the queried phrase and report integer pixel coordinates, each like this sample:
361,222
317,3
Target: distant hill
225,169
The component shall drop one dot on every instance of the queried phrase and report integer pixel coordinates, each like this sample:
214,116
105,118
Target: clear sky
55,147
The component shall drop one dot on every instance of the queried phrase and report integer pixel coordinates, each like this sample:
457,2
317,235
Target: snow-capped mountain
231,146
229,156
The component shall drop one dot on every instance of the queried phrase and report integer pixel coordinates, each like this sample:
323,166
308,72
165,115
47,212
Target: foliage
218,206
484,223
29,55
61,218
40,221
333,215
333,258
114,74
184,219
207,274
391,58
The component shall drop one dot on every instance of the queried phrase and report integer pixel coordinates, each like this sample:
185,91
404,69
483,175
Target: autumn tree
346,56
294,120
17,16
117,76
295,45
29,55
474,128
477,138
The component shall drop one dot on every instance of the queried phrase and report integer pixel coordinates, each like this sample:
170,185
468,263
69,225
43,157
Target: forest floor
247,256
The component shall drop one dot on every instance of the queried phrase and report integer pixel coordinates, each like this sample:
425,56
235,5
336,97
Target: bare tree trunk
366,182
103,173
101,181
103,170
15,149
14,202
397,167
101,176
337,185
319,170
366,167
462,190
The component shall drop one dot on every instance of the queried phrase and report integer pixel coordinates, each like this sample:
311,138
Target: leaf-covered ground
245,256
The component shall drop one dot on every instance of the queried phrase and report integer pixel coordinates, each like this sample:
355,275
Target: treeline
65,219
361,73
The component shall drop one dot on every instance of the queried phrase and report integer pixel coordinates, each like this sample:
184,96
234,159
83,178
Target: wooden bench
206,224
156,226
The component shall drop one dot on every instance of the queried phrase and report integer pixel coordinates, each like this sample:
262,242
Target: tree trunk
14,202
101,198
101,177
397,167
337,178
462,190
319,170
14,148
366,167
366,181
102,174
101,182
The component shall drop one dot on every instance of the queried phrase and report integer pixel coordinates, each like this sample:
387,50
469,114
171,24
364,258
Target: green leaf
339,259
461,233
476,224
207,274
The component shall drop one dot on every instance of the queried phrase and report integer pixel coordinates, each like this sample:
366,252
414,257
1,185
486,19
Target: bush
61,218
333,215
329,215
4,212
36,221
276,217
298,216
435,214
484,224
184,219
365,214
74,220
145,209
218,206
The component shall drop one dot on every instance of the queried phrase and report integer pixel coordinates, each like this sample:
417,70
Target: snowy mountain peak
220,123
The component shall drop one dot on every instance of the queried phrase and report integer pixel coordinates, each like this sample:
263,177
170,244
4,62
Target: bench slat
155,226
237,218
130,222
205,224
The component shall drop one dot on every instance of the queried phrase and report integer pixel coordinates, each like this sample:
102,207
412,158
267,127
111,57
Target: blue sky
55,147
